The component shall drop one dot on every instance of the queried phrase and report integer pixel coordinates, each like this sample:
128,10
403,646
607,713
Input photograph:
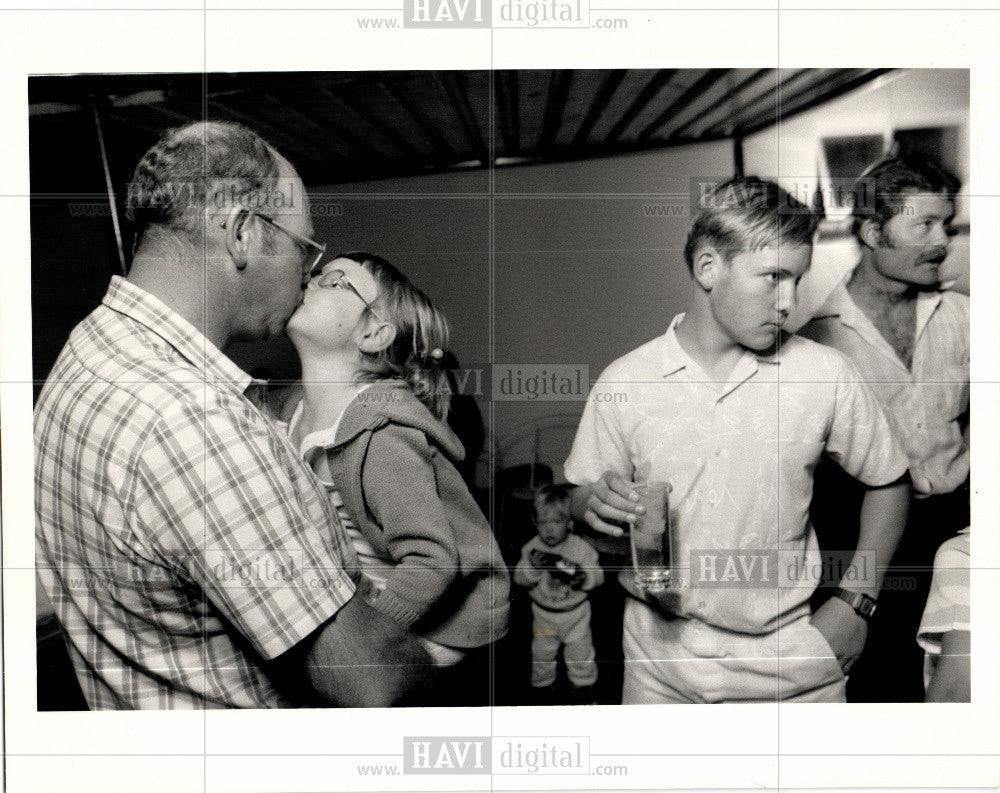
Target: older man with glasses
192,558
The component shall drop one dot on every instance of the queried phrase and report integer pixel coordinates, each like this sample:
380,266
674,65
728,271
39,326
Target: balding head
203,166
220,220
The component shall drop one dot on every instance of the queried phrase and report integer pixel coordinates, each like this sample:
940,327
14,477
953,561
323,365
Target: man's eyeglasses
312,251
337,279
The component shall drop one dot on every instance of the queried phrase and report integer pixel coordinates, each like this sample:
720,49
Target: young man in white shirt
734,415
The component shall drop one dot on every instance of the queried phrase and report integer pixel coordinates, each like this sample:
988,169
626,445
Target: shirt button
718,452
920,426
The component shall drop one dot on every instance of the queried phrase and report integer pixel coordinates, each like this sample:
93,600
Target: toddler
559,568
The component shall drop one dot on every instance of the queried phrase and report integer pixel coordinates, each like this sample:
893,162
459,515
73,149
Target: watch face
859,601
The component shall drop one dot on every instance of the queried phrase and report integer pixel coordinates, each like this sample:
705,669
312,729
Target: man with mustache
910,341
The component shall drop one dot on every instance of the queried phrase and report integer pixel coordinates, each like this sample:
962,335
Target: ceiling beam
757,105
459,98
326,136
288,145
514,92
727,97
443,151
127,120
167,112
684,101
659,79
508,110
405,149
785,98
599,104
555,105
811,96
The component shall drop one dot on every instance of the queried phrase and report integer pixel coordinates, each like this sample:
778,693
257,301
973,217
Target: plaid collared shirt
180,537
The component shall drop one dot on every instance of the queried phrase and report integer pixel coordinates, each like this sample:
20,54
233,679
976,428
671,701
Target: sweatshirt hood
393,401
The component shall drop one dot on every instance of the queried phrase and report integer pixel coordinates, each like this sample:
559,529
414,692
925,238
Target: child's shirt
417,530
739,456
552,590
375,566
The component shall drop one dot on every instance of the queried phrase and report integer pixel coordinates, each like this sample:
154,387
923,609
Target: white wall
905,99
584,278
582,270
581,273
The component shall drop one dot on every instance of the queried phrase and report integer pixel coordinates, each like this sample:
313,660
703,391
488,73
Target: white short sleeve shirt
739,456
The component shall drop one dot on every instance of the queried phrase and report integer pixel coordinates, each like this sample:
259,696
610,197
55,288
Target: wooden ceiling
349,126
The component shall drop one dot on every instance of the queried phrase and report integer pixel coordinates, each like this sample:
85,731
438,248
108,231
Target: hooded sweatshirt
394,465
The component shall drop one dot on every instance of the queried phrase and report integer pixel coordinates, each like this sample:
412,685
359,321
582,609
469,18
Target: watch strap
864,605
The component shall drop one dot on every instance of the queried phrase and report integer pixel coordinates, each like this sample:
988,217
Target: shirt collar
136,303
927,304
675,359
840,306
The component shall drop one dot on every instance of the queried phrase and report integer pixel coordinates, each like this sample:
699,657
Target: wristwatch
863,604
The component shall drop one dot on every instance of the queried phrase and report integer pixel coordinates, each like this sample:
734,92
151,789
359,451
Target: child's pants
571,629
683,660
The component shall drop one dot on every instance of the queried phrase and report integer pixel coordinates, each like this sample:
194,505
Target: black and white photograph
499,546
454,421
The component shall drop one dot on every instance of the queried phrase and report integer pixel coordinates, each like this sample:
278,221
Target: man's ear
870,233
707,267
239,228
377,336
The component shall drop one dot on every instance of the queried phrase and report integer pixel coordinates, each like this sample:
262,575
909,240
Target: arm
359,659
944,627
400,491
610,498
593,573
526,573
324,636
883,518
861,441
952,677
599,460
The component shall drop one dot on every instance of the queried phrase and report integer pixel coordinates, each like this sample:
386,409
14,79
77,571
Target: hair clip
437,353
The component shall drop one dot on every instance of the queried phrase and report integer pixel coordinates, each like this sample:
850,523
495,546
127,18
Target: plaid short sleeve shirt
180,538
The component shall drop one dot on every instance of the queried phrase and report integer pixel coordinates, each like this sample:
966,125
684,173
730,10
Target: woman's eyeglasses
337,279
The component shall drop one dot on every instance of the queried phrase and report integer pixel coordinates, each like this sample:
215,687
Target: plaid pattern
180,538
